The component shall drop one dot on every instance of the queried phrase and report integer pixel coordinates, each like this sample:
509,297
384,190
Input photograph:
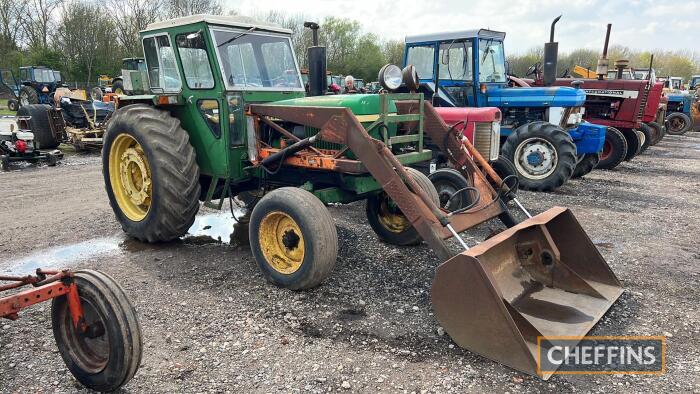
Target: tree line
86,38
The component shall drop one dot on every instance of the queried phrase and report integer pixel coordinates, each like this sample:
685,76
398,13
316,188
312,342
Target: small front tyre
108,354
293,238
588,162
614,149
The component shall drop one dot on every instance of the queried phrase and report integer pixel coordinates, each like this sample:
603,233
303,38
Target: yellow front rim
391,217
282,242
130,177
118,92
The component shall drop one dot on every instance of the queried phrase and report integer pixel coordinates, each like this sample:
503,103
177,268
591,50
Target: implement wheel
387,220
678,123
150,173
108,354
614,149
544,155
586,164
293,238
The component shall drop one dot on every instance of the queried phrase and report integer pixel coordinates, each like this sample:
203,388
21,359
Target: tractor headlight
410,78
390,77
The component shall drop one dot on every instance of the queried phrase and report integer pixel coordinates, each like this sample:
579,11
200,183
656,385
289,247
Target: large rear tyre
387,220
27,96
108,354
634,143
648,137
450,184
614,149
678,123
586,164
293,238
150,173
544,155
39,123
657,132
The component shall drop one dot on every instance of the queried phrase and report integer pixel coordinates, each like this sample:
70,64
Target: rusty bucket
543,277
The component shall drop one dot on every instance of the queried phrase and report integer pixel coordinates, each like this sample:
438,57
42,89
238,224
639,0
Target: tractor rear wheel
648,137
12,105
150,173
634,143
450,184
387,220
614,149
39,123
108,355
588,162
293,238
544,155
27,96
678,123
657,132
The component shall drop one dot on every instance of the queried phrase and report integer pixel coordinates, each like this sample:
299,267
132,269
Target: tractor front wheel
614,149
27,96
678,123
108,354
634,143
150,173
544,155
648,137
587,163
657,132
293,238
387,220
12,105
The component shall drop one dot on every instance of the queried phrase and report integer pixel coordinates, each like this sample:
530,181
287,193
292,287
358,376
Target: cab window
195,60
456,61
492,61
162,66
423,59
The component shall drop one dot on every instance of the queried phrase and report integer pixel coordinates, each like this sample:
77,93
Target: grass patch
3,108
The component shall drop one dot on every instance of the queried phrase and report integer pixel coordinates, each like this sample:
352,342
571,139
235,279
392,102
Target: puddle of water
216,227
62,256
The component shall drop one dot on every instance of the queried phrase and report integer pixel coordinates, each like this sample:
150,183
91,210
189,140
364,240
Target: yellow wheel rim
118,92
391,217
282,242
130,177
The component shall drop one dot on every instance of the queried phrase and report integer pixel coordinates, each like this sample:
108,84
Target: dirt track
211,323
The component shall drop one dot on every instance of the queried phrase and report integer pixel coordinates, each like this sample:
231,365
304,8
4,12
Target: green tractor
223,114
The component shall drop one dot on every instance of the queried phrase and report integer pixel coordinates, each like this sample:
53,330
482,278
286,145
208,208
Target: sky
640,24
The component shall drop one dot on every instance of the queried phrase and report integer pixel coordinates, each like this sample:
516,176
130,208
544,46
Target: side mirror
445,59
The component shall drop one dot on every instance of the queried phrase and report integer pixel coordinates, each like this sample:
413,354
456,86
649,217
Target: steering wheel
534,69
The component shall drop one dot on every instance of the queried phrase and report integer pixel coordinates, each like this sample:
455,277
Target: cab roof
238,21
456,35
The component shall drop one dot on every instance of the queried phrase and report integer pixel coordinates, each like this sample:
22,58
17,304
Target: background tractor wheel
27,96
678,123
39,123
107,356
544,155
634,143
12,105
387,220
447,182
96,94
657,132
614,149
586,164
150,173
648,137
293,238
118,87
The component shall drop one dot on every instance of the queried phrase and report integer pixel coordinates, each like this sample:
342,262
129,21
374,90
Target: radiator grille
310,132
486,140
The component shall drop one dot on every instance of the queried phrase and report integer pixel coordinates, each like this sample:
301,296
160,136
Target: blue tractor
542,131
679,117
35,85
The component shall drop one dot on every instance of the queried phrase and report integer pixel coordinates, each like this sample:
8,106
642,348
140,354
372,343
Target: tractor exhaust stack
551,53
317,63
602,68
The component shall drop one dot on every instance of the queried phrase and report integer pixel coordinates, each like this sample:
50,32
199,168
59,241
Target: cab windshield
492,61
43,75
252,61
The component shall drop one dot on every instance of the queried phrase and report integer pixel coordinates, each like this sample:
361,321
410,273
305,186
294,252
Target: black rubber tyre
4,163
174,173
39,123
27,96
12,105
447,182
648,137
657,132
503,167
109,354
380,206
118,87
586,164
678,123
274,228
634,144
614,149
542,133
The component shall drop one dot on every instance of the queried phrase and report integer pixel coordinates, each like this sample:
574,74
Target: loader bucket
543,277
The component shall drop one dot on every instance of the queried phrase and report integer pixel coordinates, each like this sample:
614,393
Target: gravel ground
211,323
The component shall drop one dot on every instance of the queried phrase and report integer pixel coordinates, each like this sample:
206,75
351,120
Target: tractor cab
694,82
